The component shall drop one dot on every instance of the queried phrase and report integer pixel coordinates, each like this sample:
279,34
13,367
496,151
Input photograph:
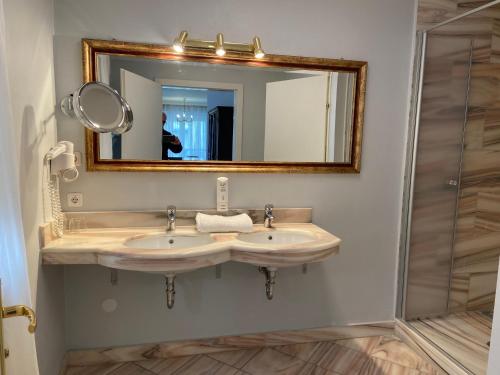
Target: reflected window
200,120
191,131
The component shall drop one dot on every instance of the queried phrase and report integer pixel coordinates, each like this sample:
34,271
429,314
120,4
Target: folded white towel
216,223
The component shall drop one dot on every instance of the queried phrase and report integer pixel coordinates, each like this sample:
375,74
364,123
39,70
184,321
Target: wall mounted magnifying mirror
99,108
197,111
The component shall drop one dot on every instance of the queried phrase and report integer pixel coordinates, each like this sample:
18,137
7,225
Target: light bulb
219,45
258,52
180,41
178,48
259,55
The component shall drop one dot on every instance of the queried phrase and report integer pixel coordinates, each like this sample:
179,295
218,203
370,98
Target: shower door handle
452,182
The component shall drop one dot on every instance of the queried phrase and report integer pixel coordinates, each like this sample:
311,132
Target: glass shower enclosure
451,244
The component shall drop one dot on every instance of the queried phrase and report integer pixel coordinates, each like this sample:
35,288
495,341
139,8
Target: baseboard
203,346
64,365
428,350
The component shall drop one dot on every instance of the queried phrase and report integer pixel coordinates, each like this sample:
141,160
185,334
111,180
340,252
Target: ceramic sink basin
168,241
277,237
186,249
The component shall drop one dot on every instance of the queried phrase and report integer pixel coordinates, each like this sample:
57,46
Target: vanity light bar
219,46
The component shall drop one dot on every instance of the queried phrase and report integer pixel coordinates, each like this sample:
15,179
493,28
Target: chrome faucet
171,211
268,216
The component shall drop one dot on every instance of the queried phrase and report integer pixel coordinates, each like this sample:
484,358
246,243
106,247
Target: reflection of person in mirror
168,140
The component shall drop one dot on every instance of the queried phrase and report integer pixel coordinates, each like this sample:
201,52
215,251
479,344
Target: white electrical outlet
75,199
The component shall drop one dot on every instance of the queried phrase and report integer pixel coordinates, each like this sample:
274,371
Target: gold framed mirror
198,112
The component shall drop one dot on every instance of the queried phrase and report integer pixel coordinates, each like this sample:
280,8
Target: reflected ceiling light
221,48
184,117
258,52
219,45
180,42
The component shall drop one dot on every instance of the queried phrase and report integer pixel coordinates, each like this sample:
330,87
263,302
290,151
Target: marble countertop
106,246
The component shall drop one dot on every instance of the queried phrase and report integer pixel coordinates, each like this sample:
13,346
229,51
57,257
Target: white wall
358,285
216,98
30,27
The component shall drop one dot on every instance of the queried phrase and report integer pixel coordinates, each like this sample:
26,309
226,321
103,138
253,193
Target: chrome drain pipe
170,290
270,274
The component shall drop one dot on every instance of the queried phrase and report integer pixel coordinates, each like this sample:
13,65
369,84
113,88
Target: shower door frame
409,176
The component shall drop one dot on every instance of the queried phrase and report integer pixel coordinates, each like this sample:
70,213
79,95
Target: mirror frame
92,47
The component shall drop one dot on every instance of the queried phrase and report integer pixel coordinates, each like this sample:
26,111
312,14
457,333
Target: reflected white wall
106,139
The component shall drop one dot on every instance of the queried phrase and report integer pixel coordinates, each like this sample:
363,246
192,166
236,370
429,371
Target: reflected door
296,120
143,141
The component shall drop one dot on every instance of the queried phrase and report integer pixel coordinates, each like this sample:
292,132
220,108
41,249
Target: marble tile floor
359,356
464,336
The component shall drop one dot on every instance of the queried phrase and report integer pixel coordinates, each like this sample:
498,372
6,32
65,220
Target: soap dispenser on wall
222,194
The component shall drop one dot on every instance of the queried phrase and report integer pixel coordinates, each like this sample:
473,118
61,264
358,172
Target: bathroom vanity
115,240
